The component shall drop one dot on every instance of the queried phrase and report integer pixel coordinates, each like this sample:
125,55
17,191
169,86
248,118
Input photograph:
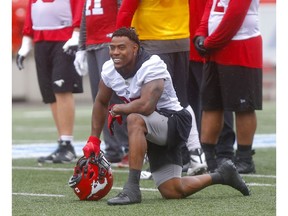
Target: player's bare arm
146,104
100,109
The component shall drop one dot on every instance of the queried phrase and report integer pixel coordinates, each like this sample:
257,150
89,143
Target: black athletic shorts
232,88
55,71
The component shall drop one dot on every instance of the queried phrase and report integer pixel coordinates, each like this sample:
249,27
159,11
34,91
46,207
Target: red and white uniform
100,20
232,28
52,20
130,89
196,8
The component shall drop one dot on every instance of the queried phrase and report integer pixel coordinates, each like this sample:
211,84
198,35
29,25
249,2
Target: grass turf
44,190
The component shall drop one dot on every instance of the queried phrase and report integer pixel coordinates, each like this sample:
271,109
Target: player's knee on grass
171,189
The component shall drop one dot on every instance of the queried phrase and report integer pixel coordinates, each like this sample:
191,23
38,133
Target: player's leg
212,113
245,87
175,187
45,74
137,149
246,124
140,129
225,145
65,82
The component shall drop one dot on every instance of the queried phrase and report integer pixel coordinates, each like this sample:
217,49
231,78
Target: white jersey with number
130,89
51,15
250,25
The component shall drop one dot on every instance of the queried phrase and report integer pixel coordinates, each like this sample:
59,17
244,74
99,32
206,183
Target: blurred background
25,85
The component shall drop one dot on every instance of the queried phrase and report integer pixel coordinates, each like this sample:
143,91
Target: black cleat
131,194
66,153
221,161
232,178
245,167
244,162
123,199
49,158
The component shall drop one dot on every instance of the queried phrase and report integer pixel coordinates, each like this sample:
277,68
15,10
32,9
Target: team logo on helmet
92,178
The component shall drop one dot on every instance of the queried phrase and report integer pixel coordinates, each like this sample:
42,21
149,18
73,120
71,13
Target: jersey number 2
219,7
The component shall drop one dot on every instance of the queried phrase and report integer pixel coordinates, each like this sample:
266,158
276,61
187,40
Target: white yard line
120,188
42,195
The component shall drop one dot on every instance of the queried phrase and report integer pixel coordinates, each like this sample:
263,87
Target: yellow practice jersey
162,19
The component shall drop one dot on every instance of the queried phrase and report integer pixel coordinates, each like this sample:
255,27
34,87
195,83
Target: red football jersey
100,20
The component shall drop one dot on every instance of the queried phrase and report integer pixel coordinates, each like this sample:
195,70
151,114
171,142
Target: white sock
193,141
66,138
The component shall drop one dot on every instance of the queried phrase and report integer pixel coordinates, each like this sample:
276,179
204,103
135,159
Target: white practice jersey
250,26
52,15
130,89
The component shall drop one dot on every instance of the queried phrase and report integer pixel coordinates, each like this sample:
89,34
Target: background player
53,26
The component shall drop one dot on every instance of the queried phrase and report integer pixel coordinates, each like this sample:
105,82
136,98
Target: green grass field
43,190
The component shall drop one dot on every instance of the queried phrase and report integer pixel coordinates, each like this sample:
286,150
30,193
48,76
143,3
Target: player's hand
26,47
19,61
80,62
92,147
71,46
199,45
111,119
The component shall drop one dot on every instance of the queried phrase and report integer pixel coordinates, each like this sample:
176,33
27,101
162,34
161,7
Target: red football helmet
92,178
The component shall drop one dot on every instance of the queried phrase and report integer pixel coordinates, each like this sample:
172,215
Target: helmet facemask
92,178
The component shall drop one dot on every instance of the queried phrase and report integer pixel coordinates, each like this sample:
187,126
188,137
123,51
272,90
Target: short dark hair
127,32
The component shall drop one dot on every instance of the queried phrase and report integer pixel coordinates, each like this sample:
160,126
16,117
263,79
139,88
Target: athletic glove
26,47
71,46
92,147
111,119
199,45
80,62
